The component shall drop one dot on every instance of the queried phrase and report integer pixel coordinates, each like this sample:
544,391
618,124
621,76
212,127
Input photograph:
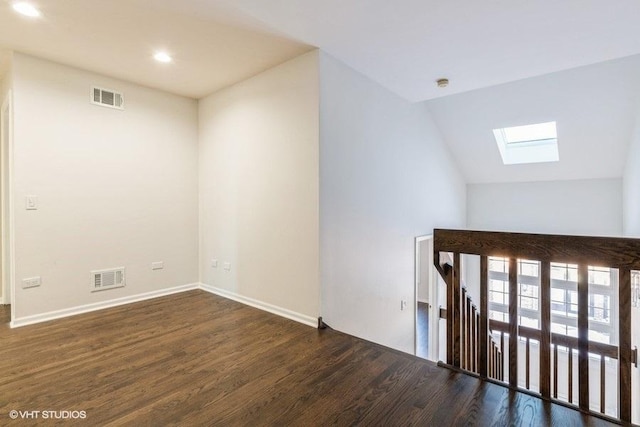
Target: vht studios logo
51,415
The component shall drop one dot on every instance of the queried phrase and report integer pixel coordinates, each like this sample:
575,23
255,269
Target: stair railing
472,338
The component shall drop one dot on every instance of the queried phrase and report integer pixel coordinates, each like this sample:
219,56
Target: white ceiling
405,45
595,108
119,37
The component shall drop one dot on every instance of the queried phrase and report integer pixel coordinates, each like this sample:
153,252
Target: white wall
581,207
631,225
631,185
385,178
259,187
115,188
6,84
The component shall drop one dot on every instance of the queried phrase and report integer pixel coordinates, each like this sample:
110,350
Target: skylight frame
517,148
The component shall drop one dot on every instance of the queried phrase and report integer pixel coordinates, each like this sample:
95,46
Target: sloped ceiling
406,45
595,108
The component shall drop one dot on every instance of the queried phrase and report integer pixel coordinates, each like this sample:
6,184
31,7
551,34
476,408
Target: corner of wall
258,187
386,177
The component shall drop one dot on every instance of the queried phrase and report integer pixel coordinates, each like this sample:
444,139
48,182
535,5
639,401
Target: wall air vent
107,98
107,279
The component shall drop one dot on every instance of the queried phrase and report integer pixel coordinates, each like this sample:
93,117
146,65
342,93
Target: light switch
227,266
31,203
214,263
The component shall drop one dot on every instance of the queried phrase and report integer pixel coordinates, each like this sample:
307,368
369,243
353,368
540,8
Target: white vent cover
107,98
107,279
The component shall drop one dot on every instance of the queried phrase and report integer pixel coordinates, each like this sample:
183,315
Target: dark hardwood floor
194,359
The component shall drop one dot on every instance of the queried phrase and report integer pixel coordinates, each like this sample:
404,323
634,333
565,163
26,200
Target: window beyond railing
603,288
554,315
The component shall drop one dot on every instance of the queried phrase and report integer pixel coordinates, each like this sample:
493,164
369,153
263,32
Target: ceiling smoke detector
442,82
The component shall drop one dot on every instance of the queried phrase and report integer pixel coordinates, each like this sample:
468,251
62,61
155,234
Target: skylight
537,143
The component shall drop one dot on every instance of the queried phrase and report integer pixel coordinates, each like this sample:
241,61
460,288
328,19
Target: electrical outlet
159,265
403,304
31,282
214,263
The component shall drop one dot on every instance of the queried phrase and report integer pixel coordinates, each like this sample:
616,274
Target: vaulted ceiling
404,45
595,108
504,58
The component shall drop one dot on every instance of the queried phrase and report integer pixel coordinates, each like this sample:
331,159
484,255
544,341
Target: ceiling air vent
107,279
107,98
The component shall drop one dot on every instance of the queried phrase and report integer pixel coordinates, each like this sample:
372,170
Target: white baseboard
52,315
67,312
283,312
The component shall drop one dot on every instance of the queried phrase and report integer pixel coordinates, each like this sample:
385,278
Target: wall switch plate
159,265
31,282
214,263
227,266
403,304
31,203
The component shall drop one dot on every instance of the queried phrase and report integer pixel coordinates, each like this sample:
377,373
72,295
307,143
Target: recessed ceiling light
26,9
162,57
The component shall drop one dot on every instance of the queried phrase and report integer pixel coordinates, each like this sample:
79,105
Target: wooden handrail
466,322
614,252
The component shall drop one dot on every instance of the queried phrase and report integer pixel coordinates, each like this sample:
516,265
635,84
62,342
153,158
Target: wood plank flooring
195,359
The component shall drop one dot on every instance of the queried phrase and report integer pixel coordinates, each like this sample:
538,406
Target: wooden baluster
583,336
490,362
456,310
501,366
545,318
570,375
526,364
602,383
494,350
463,332
448,278
555,371
483,329
513,322
624,358
494,361
501,358
469,332
474,343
